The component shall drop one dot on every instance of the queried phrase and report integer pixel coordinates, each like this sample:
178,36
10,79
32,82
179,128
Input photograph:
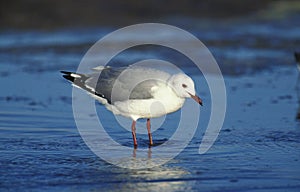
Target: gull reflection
141,158
148,153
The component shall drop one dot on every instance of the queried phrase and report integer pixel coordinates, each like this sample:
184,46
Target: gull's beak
197,99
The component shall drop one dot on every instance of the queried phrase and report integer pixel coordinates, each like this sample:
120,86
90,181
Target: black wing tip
297,56
67,75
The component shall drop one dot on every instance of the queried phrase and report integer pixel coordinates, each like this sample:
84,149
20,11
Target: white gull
136,92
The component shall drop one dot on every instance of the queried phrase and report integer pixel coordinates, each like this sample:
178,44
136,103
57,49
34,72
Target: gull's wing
119,84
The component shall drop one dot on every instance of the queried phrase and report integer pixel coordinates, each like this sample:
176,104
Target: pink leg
133,133
149,132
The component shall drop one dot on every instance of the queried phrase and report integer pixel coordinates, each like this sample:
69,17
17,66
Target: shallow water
257,149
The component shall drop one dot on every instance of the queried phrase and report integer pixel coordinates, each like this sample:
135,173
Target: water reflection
160,178
139,158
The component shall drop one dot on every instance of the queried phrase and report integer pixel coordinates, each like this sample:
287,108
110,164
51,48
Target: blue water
257,149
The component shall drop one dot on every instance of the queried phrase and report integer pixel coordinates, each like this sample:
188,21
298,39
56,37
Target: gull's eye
184,85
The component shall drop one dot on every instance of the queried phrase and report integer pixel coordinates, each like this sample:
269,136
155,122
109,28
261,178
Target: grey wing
137,83
122,91
119,84
143,90
102,83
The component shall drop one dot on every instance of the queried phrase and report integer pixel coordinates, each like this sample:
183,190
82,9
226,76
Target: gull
136,92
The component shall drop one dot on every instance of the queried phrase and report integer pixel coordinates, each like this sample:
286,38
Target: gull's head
184,86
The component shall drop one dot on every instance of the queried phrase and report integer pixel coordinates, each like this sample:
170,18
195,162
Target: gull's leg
149,132
133,133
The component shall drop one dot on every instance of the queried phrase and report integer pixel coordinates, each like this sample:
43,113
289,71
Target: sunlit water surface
257,149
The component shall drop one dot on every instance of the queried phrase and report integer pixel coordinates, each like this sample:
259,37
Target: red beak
197,99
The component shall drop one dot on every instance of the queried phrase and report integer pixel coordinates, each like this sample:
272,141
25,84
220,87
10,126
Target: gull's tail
79,80
75,78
